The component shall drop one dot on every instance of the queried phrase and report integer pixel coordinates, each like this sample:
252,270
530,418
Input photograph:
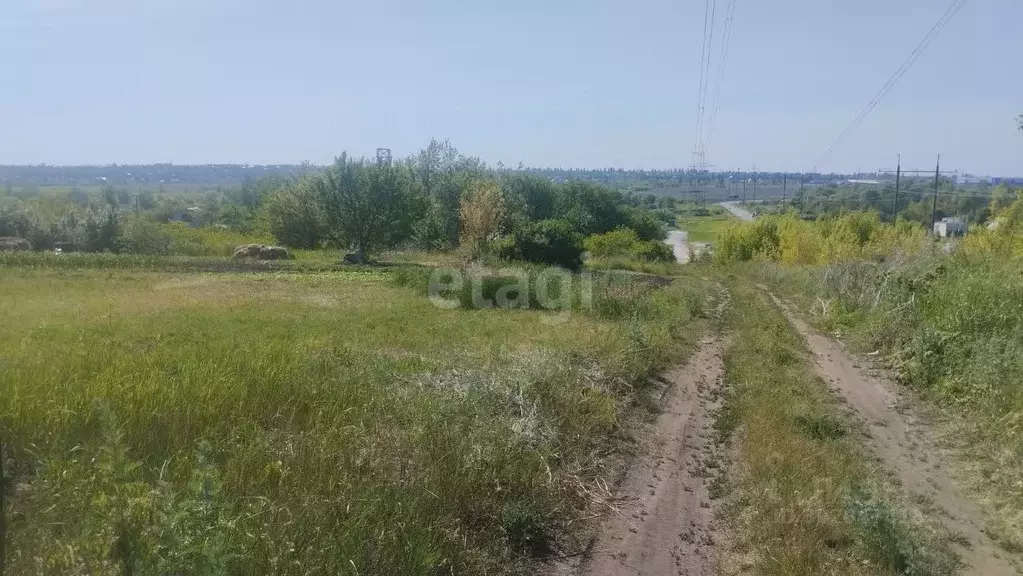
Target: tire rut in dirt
906,445
663,520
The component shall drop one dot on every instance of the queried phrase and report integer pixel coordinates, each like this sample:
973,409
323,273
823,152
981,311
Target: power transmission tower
754,183
784,186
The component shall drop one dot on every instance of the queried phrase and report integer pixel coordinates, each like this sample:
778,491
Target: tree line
437,199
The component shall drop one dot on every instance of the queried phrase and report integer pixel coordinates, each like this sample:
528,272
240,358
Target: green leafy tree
645,223
110,196
482,212
591,208
528,197
366,206
444,175
294,217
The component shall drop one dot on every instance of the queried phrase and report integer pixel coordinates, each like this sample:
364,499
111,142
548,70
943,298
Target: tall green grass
164,423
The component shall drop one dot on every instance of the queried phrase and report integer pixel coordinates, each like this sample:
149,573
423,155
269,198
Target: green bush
625,242
614,243
294,218
552,242
653,251
143,236
646,224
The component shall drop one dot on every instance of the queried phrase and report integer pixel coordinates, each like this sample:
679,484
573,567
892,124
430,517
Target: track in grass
905,444
663,521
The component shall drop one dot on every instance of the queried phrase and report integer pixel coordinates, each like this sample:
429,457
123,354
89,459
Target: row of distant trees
441,199
437,199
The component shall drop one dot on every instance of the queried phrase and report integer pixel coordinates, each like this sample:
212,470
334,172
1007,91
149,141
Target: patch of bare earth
663,518
906,444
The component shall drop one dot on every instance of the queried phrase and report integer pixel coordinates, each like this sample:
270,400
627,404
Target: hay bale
275,253
14,244
262,252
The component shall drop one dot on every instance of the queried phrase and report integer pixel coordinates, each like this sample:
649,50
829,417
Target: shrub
142,236
625,242
552,242
646,225
614,243
294,218
653,251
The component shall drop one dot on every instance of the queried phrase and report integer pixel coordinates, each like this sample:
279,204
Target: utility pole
895,202
743,190
784,186
934,204
802,179
920,195
754,183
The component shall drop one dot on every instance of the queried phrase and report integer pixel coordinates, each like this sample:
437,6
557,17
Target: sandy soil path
740,213
664,520
906,445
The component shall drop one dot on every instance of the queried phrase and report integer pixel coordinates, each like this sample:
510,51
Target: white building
950,227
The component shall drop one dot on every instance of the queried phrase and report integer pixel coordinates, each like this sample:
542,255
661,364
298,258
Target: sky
569,83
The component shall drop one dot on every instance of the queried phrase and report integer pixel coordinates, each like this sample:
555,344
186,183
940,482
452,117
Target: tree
366,206
1001,197
293,216
482,212
444,175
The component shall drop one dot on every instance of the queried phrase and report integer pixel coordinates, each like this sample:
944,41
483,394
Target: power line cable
896,76
709,14
722,62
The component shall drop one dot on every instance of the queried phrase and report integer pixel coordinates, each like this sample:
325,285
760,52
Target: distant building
950,227
1007,181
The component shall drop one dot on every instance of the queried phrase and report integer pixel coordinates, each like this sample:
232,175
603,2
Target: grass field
703,224
159,420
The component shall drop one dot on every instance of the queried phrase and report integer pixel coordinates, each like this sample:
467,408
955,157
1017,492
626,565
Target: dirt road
680,245
740,213
664,521
906,445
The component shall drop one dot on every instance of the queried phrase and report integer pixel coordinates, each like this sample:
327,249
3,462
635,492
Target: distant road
740,213
677,239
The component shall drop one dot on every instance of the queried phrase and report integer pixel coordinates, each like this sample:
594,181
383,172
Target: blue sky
558,82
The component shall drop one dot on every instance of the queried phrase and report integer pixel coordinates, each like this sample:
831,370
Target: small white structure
950,227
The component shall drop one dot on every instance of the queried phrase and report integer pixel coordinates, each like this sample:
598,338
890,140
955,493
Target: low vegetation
309,422
950,322
702,222
803,498
625,243
791,240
